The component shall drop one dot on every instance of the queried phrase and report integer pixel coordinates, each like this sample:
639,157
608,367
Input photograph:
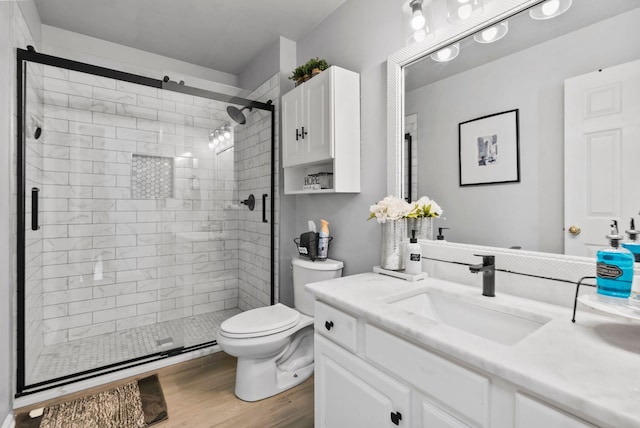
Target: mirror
524,71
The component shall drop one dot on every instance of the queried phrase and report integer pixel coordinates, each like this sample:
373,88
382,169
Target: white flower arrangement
390,208
424,207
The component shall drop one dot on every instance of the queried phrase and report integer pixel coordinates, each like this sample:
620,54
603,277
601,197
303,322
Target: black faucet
488,269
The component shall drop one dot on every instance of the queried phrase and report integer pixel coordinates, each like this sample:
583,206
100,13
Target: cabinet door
350,393
534,414
292,144
435,417
317,124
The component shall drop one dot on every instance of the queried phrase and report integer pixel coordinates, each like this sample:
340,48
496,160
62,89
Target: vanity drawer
461,390
336,325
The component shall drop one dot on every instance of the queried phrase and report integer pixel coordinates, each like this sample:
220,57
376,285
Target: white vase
423,227
394,237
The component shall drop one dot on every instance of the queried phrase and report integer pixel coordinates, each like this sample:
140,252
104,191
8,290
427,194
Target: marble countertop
591,368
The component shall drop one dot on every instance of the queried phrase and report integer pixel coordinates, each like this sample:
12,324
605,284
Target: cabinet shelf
321,132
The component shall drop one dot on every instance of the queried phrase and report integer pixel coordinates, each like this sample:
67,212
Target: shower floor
94,352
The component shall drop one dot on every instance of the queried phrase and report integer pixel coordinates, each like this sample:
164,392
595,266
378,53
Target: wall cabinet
368,377
321,132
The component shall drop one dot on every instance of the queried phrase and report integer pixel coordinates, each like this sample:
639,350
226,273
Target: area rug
134,405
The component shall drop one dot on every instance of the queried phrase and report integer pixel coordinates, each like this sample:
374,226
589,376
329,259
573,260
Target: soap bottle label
607,271
415,257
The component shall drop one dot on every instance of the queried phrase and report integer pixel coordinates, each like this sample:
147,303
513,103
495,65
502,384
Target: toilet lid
261,321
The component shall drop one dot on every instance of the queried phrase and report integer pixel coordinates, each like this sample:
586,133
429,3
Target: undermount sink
496,325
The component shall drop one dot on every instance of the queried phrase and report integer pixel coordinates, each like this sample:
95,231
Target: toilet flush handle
328,325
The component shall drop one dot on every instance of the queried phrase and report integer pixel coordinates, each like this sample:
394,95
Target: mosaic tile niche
151,177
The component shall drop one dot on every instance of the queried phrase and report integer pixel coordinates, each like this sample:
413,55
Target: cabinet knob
328,325
396,417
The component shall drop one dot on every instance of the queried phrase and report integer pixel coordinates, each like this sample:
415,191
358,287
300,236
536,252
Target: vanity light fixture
421,21
550,9
418,20
493,33
460,10
446,54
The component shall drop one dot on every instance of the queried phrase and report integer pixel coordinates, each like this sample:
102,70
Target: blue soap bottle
632,244
614,270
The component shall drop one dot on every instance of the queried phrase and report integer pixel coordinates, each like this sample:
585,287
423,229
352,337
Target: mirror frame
495,11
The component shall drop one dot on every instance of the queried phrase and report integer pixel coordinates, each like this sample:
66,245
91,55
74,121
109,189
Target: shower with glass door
132,243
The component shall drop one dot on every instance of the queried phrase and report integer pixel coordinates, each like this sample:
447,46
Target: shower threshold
93,353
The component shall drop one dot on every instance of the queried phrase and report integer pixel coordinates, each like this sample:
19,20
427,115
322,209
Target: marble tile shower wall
253,172
34,179
111,262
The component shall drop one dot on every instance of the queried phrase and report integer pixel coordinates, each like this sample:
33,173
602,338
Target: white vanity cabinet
369,377
321,132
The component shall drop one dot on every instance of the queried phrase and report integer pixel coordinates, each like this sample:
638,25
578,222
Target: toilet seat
260,322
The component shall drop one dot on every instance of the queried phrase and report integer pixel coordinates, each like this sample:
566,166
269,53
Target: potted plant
298,75
316,66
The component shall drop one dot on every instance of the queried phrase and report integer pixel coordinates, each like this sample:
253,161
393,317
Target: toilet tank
306,272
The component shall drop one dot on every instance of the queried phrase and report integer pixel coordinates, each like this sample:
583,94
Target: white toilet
274,344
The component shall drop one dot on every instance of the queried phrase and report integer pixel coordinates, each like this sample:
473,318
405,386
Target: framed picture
489,149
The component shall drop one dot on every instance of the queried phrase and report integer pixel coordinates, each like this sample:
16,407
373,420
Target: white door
292,144
317,111
350,393
602,155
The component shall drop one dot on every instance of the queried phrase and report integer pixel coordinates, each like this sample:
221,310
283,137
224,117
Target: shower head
237,115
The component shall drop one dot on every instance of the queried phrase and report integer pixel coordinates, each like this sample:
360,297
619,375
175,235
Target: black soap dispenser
440,236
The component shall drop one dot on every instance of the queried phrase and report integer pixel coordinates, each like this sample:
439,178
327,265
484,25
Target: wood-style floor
199,394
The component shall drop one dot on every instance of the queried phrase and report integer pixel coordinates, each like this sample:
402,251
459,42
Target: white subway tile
114,314
114,120
177,118
148,308
76,256
174,314
111,192
56,99
55,231
65,165
67,296
92,230
92,330
54,258
136,135
55,72
114,289
208,307
54,151
65,244
65,113
136,205
113,144
65,139
137,112
91,205
135,228
123,181
54,338
48,204
115,96
92,129
137,321
136,89
155,149
92,179
91,104
155,126
137,275
55,311
136,298
92,305
156,284
65,218
114,217
91,79
114,241
69,269
66,87
136,251
56,324
55,125
111,168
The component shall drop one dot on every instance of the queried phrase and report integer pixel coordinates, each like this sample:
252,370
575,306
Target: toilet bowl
274,344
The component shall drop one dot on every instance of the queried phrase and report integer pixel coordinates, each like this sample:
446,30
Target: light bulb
550,8
464,11
417,20
211,136
227,132
211,145
489,33
419,35
492,34
446,54
460,10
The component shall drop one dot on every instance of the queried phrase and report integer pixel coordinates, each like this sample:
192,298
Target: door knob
574,230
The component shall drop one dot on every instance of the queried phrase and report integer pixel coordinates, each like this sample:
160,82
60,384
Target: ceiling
222,35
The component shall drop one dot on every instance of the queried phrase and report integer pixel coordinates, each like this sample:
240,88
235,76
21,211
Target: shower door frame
30,55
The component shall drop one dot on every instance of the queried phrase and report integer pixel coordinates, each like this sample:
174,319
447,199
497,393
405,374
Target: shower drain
166,341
